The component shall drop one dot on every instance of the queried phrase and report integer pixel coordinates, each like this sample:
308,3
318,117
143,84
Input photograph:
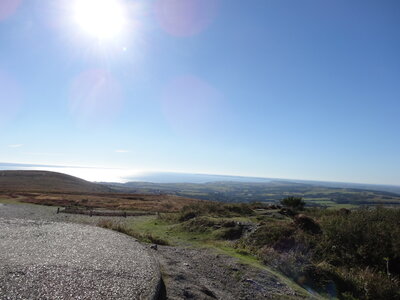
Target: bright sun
102,19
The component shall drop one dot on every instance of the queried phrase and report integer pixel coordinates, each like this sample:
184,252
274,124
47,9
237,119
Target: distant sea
87,173
125,175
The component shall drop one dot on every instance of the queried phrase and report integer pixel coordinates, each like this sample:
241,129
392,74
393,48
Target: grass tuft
143,237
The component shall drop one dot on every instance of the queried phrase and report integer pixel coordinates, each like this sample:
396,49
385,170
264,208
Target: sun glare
102,19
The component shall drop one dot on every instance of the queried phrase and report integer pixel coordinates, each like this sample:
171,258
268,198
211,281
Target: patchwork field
271,192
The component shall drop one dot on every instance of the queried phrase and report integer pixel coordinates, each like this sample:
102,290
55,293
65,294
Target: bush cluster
214,209
349,255
365,238
293,202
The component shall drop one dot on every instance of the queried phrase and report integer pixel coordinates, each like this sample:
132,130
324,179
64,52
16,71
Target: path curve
54,260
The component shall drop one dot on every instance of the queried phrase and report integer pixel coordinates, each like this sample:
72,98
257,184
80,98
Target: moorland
345,250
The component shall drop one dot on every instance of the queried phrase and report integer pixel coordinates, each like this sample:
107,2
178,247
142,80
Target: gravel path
46,213
54,260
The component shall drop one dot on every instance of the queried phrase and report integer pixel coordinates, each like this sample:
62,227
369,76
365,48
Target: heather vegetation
339,253
353,255
214,209
293,202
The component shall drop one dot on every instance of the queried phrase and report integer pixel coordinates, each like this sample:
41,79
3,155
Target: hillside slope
47,181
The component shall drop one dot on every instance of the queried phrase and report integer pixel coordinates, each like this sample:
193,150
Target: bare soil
205,274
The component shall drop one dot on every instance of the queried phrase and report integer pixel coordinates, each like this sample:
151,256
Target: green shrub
368,238
228,223
366,283
350,253
293,202
214,209
307,224
291,263
187,215
229,233
272,235
199,224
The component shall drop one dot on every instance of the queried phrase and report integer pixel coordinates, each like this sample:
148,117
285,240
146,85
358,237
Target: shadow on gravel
162,291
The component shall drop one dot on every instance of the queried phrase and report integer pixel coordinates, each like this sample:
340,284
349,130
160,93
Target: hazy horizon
111,175
272,89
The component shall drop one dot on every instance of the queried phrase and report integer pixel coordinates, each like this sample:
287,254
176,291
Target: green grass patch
143,236
177,235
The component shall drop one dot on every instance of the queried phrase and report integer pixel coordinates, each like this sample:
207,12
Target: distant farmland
267,192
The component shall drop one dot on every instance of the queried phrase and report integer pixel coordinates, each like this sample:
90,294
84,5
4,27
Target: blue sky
286,89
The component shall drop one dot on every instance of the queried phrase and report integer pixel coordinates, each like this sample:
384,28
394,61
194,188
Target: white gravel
55,260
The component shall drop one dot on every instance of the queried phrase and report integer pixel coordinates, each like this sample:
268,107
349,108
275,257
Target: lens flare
8,7
185,17
95,97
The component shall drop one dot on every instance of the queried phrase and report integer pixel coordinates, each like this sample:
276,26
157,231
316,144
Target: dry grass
141,202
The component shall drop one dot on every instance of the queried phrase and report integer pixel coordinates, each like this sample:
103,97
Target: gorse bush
274,235
214,209
367,238
366,283
293,202
356,254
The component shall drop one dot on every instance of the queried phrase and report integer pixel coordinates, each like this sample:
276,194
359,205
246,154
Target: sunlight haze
277,89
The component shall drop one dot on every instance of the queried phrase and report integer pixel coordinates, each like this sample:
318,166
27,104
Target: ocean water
126,175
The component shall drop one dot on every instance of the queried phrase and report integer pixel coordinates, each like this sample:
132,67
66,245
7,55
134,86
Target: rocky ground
188,273
204,274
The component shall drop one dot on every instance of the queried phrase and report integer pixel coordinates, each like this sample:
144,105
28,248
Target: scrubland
336,253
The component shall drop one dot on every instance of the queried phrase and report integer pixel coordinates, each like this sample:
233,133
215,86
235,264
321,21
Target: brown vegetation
56,189
141,202
37,181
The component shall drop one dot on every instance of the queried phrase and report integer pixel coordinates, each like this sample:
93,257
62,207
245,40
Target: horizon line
39,165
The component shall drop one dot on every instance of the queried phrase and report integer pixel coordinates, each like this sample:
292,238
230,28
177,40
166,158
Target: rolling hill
57,189
38,181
